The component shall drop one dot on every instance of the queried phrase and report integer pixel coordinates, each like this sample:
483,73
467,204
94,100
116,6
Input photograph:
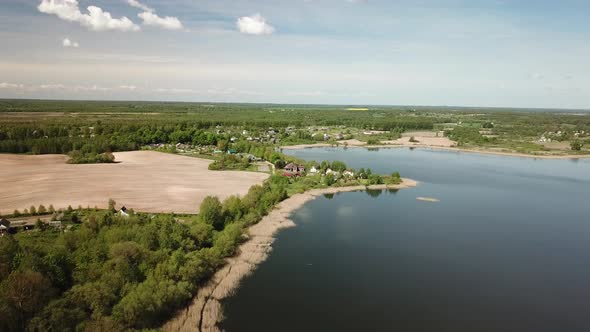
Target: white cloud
254,25
96,19
175,90
68,43
137,4
128,87
168,22
5,85
52,86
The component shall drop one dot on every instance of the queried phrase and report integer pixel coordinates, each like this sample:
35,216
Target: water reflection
374,192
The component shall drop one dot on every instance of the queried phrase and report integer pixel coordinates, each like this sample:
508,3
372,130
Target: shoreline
205,311
443,148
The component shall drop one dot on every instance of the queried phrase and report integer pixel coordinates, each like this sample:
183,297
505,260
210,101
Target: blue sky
423,52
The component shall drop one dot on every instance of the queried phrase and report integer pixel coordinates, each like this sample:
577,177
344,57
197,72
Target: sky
494,53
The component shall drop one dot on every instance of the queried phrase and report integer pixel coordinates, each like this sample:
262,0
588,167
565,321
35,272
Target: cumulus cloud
137,4
96,19
150,17
68,43
168,22
254,25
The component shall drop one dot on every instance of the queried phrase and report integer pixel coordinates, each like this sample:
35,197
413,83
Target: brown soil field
145,181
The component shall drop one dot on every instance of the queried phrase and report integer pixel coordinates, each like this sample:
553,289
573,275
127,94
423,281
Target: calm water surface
506,249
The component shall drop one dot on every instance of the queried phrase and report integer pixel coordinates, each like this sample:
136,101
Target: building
348,173
313,171
294,168
123,212
4,226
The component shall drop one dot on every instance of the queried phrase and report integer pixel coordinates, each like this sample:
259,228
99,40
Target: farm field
145,181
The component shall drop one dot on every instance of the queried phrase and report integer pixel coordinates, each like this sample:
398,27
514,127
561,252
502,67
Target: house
123,212
292,167
348,173
4,226
313,171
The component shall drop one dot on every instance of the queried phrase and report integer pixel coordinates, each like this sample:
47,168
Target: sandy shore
444,148
146,181
205,311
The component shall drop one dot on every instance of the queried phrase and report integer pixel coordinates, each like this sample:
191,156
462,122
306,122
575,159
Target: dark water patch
506,249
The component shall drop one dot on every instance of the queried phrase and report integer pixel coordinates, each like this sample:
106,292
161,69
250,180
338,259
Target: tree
16,213
112,205
232,208
576,145
40,225
25,293
32,210
211,212
203,233
223,145
42,209
9,248
51,208
329,179
361,173
338,166
375,179
280,164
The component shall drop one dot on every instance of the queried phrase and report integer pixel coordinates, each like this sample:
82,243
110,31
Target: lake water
507,248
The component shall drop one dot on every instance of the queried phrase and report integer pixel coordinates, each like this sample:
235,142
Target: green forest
93,128
111,272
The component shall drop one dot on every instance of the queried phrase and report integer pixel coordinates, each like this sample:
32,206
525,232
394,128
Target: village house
123,212
294,168
313,171
4,226
334,173
348,173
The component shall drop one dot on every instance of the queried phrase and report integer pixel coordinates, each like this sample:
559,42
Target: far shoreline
206,312
442,148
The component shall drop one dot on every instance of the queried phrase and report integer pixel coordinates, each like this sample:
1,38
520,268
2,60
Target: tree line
120,273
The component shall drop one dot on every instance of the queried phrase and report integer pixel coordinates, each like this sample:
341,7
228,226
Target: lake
507,248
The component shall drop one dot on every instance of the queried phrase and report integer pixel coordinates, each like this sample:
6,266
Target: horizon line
300,104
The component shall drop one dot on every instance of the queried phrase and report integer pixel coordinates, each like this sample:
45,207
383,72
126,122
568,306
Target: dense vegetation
119,273
41,127
78,157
